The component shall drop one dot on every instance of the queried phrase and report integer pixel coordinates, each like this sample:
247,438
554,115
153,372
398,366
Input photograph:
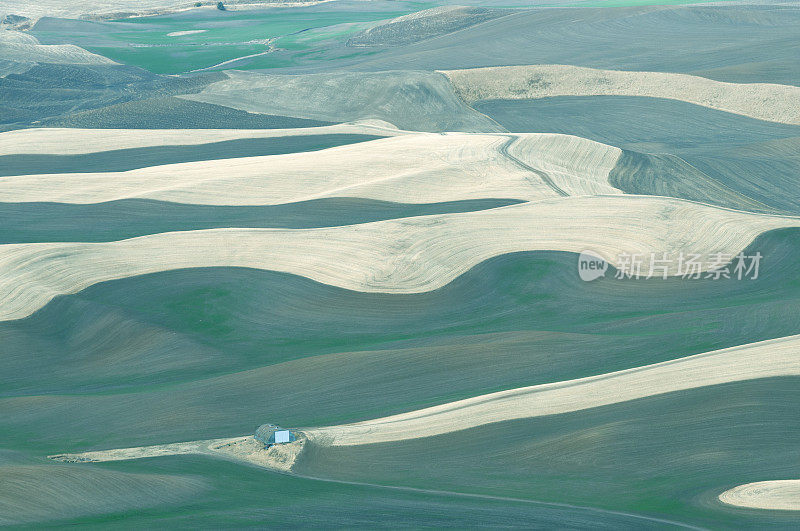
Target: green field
229,495
297,35
222,342
665,456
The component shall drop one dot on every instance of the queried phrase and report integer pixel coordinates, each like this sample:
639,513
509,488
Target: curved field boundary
777,495
407,255
414,168
774,357
75,141
242,449
280,459
764,101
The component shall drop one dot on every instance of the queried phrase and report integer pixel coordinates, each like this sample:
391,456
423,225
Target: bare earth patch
245,449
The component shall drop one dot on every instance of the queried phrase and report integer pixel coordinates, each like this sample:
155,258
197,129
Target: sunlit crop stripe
764,101
407,255
771,358
74,141
418,168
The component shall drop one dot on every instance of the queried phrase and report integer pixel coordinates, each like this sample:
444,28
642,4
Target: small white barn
269,434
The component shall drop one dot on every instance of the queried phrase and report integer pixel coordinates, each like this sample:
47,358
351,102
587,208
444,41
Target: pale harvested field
414,168
70,141
775,357
24,47
780,495
185,32
244,448
408,255
576,165
764,101
141,452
